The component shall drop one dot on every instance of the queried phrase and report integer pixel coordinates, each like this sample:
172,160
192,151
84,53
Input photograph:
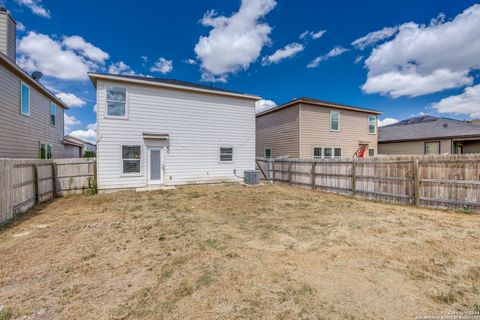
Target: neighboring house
31,117
308,128
430,135
76,148
166,132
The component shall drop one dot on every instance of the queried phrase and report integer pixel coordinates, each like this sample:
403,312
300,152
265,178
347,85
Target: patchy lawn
232,252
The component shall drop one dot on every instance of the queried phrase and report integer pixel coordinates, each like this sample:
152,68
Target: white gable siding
198,125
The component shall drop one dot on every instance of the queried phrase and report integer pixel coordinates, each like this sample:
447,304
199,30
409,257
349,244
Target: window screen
317,153
226,154
131,159
334,120
116,102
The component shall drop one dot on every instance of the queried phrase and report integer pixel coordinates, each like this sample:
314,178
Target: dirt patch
231,252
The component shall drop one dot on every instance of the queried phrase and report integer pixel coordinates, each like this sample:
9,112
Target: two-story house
154,132
314,129
31,117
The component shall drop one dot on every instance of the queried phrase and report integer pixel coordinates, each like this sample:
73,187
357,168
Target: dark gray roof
427,127
172,81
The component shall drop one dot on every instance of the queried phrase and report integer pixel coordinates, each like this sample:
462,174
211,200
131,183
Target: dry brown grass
232,252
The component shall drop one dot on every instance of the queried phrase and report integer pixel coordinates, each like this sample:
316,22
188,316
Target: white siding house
163,132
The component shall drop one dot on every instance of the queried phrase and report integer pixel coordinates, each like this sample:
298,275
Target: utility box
251,177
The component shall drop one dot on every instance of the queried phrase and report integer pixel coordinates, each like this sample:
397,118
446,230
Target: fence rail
24,183
446,181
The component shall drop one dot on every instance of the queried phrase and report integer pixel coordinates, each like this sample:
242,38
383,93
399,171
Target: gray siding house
429,135
31,117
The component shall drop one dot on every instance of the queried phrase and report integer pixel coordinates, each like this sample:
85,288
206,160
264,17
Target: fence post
354,177
273,171
416,173
290,171
54,179
37,183
314,175
6,185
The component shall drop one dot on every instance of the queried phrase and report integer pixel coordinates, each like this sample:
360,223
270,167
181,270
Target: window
267,153
371,152
117,102
53,113
432,147
25,99
131,157
338,152
372,124
226,154
317,153
45,151
327,152
334,120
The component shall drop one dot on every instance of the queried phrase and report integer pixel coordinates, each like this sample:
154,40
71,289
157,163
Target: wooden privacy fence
441,181
24,183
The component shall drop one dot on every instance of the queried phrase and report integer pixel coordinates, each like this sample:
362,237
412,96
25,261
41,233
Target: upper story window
25,99
335,120
53,113
372,124
116,102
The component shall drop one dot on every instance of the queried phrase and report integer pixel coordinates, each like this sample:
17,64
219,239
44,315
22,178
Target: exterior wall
20,136
315,131
72,151
413,147
198,125
279,131
7,36
471,146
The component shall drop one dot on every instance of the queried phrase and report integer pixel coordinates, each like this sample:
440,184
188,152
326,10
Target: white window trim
29,98
374,152
376,124
333,152
46,151
106,115
265,152
341,153
131,174
220,154
339,122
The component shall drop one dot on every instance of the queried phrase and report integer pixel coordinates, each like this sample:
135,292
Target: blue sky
401,57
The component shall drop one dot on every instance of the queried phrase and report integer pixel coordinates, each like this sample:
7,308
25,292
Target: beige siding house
31,118
429,135
309,128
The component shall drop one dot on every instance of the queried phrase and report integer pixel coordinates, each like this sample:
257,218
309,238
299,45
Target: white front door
155,165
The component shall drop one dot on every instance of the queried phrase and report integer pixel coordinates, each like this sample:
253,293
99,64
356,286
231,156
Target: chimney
8,35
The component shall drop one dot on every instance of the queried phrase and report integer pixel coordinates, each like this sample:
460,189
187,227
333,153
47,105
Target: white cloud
312,34
36,7
332,53
466,103
423,59
234,42
85,49
89,135
163,66
121,68
190,61
39,52
70,99
95,108
374,37
263,105
288,51
358,59
69,121
21,27
387,121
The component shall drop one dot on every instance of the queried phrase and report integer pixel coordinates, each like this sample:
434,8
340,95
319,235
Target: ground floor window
226,154
131,158
338,152
317,153
45,151
267,153
326,153
432,147
371,152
